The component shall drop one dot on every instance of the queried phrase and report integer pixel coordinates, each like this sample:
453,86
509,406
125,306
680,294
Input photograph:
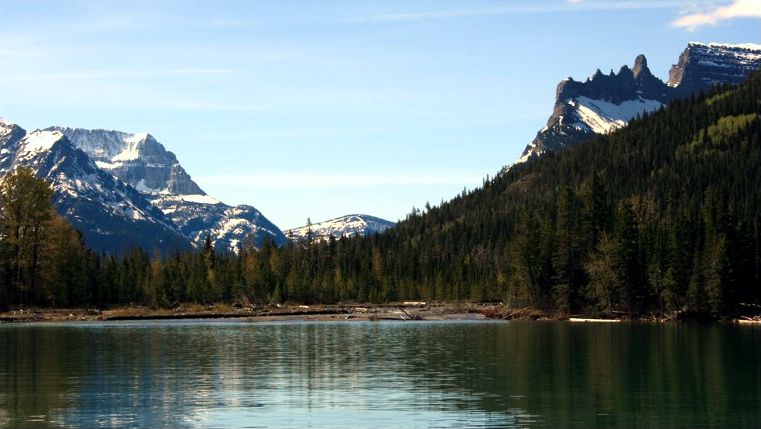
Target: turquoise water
379,374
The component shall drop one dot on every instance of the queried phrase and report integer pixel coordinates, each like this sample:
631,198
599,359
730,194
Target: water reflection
343,375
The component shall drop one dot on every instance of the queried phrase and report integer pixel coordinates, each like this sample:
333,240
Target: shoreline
400,311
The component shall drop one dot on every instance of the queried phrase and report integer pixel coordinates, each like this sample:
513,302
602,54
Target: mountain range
143,163
607,102
123,190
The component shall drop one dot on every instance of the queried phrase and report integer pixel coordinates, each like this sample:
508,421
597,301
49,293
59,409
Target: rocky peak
607,102
10,135
625,72
138,159
627,84
703,65
640,67
141,161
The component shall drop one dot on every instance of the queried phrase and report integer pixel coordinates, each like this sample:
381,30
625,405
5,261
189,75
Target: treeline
663,216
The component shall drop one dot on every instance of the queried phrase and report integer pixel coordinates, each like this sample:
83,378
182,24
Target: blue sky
324,108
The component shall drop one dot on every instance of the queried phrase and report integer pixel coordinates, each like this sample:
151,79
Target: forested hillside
663,216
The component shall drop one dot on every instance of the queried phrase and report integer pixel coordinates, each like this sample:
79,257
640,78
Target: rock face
137,159
144,163
702,66
349,225
605,103
111,215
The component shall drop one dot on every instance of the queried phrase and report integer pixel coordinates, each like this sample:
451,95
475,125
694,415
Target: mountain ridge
143,162
342,226
139,180
604,103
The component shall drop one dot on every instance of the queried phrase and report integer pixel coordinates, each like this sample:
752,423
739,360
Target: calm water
396,374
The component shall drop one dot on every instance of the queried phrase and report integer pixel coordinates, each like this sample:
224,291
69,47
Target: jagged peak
139,137
640,67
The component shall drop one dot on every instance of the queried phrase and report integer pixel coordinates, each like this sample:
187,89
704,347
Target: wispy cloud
109,74
341,180
712,16
567,6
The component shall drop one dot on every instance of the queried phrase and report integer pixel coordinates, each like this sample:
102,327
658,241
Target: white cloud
737,9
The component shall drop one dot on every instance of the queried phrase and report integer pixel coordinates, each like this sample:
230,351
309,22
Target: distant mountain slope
605,103
144,163
112,215
344,226
229,226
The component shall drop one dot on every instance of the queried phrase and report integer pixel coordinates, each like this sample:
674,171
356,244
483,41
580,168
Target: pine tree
26,211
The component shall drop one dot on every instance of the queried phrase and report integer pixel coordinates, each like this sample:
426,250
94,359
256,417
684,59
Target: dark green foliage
662,216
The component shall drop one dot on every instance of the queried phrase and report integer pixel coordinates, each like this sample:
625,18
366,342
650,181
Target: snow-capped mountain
344,226
229,227
605,103
703,65
112,215
141,161
137,159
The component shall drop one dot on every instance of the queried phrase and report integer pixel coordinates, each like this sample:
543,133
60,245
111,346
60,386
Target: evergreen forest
661,217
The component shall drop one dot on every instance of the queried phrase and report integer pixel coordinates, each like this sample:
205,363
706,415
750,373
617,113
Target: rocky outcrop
607,102
600,104
702,66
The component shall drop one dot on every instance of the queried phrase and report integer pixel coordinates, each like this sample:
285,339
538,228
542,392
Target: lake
379,375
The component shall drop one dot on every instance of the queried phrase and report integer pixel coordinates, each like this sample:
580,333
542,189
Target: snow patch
142,187
349,225
131,153
748,46
602,117
200,199
39,141
136,138
105,165
742,53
